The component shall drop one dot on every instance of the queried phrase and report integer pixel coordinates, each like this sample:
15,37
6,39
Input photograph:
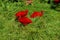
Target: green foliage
46,27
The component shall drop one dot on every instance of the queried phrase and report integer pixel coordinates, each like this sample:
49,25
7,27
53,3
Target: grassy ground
46,27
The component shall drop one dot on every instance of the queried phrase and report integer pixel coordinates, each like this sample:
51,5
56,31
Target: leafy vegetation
46,27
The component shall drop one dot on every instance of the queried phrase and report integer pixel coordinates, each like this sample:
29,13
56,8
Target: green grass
46,27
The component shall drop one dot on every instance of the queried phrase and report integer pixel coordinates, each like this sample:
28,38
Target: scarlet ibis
25,20
21,13
36,14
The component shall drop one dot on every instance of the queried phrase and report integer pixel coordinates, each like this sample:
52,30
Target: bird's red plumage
21,13
24,20
36,14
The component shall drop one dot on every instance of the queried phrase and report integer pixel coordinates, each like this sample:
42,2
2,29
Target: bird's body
36,14
21,13
24,20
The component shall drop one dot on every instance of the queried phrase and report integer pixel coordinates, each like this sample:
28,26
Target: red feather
36,14
21,13
24,20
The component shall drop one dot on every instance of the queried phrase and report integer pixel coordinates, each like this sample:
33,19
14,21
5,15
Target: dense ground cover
46,27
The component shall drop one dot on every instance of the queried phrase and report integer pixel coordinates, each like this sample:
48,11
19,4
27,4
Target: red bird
36,14
21,13
24,20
